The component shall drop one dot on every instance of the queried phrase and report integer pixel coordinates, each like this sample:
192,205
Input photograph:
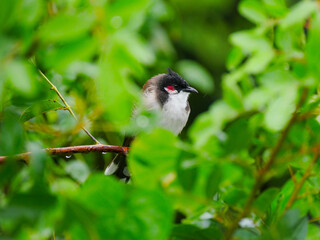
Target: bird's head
173,83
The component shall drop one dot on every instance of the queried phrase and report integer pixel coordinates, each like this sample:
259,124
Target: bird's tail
118,166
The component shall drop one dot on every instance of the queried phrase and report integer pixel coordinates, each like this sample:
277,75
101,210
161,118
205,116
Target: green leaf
232,93
313,52
280,109
23,206
225,175
66,27
280,201
191,232
250,41
21,76
187,170
314,125
275,8
259,61
313,232
127,8
152,157
214,181
277,80
64,186
290,41
61,56
146,214
235,197
239,136
2,89
12,138
263,202
253,10
298,13
211,123
298,135
257,99
77,68
196,75
247,234
290,226
135,46
78,170
8,13
40,108
258,46
116,90
38,161
31,11
234,58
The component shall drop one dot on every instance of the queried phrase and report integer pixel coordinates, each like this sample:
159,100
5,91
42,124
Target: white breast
173,113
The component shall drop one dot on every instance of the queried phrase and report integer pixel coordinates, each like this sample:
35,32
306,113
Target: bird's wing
118,166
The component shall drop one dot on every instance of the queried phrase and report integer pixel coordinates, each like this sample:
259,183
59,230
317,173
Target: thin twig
294,180
262,172
73,149
53,87
314,219
299,185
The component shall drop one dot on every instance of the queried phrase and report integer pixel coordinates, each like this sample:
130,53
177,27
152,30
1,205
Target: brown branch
262,172
72,150
294,180
314,219
299,185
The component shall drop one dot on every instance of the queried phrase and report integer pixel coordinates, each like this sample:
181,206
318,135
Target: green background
245,167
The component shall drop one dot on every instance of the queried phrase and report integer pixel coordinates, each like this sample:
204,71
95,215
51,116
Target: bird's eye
171,88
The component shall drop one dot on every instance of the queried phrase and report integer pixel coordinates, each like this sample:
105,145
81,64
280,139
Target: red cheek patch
171,88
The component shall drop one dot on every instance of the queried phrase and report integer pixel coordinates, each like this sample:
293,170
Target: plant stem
314,219
294,180
53,87
299,185
262,172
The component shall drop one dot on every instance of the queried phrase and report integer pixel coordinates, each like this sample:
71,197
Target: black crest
170,72
170,79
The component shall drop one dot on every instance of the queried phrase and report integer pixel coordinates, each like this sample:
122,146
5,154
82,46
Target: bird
167,94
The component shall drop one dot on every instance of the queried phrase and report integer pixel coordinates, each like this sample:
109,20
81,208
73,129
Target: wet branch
71,150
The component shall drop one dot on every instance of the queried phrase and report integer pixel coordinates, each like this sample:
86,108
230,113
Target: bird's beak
190,89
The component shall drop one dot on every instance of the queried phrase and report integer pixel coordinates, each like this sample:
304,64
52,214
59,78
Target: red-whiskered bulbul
167,94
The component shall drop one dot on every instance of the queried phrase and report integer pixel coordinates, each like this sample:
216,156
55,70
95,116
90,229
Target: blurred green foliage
259,64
